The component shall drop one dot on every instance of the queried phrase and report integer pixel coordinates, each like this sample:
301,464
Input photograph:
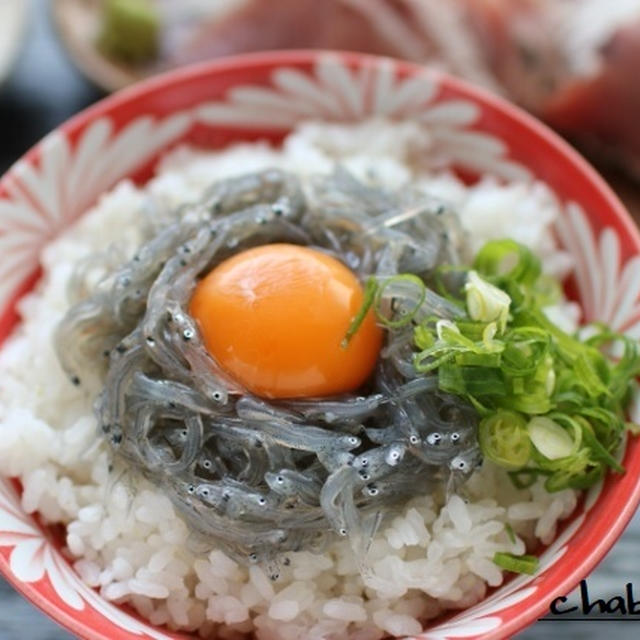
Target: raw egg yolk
275,318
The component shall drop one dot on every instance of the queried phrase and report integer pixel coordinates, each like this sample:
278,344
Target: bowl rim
506,109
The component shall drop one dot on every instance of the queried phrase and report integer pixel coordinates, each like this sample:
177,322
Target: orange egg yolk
275,318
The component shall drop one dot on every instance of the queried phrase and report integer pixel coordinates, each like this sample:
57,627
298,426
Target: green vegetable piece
486,302
517,564
369,295
582,479
471,329
551,404
587,374
472,381
550,439
525,478
409,279
504,439
547,291
423,337
130,30
510,533
507,260
531,398
525,349
598,452
479,359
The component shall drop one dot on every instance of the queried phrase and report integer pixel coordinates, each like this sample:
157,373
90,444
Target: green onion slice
551,439
507,260
405,278
551,404
504,439
517,564
525,478
369,295
510,533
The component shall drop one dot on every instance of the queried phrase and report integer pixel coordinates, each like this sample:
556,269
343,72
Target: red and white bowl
263,96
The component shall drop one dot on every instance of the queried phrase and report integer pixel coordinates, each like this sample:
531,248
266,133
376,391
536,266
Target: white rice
126,538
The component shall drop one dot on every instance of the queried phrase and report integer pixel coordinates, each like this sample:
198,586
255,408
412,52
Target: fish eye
460,464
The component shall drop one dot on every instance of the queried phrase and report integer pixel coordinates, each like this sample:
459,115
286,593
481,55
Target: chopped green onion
525,348
471,329
506,259
582,479
369,295
423,337
549,438
531,398
551,404
547,291
524,478
408,317
510,533
474,381
485,302
517,564
599,453
479,359
504,440
586,370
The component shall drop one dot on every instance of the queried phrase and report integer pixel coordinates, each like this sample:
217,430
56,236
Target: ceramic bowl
264,96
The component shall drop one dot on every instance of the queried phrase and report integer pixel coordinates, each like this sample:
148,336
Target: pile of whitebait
254,477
